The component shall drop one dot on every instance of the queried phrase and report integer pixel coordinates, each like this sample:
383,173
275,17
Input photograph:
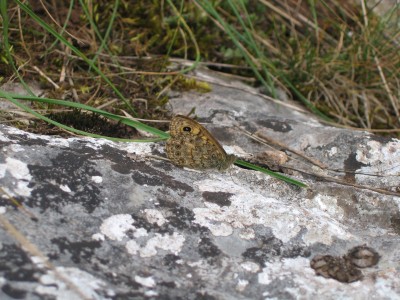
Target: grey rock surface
111,222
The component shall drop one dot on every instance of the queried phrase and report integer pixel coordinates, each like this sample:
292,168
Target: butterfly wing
191,145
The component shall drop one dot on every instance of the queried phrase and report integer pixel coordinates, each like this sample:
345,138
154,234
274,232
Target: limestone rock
106,221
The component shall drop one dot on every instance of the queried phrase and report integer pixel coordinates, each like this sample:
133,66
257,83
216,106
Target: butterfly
192,146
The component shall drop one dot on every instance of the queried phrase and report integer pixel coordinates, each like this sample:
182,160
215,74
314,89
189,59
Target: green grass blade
67,18
103,40
191,35
248,31
240,162
5,23
50,29
245,43
13,98
231,33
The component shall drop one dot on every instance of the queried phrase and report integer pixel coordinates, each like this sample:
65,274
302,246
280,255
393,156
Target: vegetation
336,57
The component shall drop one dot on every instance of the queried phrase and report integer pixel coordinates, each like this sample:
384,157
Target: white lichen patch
332,152
2,210
250,266
132,247
59,142
247,233
50,140
39,261
16,148
4,138
136,148
65,188
328,204
3,170
397,201
98,237
217,229
172,243
249,208
241,285
216,185
20,171
145,281
383,159
97,179
140,232
154,216
310,286
285,268
28,135
323,230
70,283
387,289
151,293
95,144
115,227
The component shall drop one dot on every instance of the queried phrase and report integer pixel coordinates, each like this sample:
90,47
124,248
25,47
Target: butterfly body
192,146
